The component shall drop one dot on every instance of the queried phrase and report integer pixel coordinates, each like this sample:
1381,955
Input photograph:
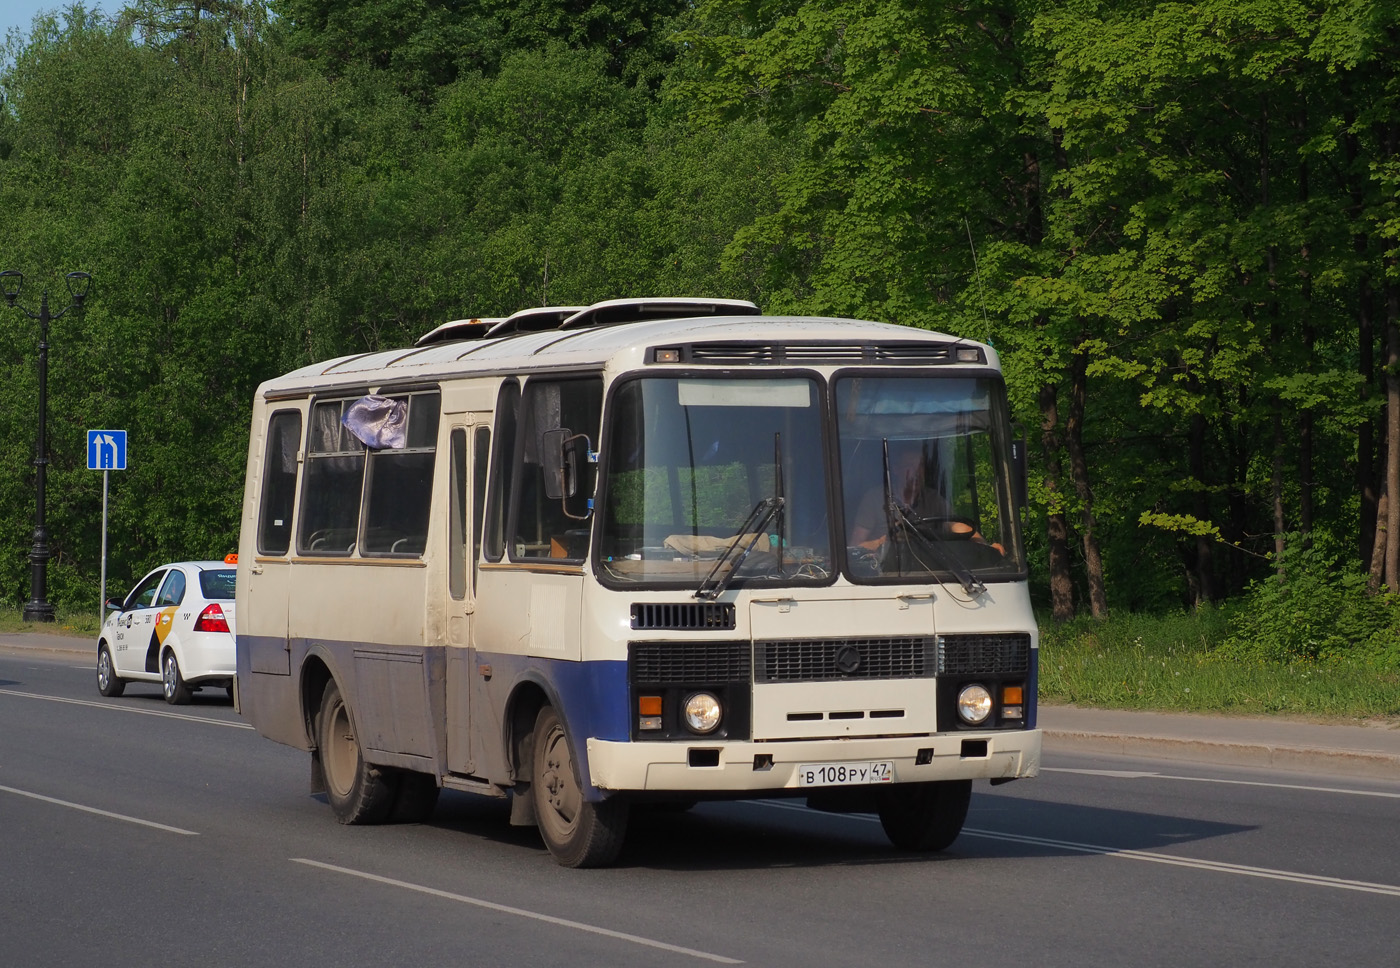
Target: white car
176,628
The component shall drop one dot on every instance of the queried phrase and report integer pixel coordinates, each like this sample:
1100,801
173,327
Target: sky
20,13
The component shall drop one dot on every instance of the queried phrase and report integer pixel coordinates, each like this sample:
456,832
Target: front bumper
753,766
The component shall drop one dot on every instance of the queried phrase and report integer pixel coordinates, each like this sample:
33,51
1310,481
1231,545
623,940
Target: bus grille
817,660
980,655
683,616
668,663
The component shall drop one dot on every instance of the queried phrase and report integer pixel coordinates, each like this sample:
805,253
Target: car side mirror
114,604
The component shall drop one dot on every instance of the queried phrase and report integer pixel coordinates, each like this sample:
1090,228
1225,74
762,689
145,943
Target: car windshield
713,480
217,584
926,479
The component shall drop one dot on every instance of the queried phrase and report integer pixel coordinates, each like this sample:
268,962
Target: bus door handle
906,600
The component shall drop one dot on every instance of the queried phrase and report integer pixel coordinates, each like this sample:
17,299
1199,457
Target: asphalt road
136,833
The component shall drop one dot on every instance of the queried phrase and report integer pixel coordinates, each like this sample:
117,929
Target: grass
1171,664
79,624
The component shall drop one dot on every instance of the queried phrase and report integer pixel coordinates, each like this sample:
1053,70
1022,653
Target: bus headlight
974,704
702,712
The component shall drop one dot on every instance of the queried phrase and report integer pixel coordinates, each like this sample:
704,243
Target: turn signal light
1011,707
648,712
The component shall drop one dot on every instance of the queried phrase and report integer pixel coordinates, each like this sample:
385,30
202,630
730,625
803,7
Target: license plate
844,774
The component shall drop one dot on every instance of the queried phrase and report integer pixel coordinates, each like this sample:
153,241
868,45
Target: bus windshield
925,479
713,479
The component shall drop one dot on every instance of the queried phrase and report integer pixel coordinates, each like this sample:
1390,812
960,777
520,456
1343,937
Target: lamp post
38,608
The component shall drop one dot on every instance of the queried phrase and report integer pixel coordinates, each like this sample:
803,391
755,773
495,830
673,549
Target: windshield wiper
905,520
756,522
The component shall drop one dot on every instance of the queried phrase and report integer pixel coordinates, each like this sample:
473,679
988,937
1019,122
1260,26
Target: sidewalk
1279,744
53,643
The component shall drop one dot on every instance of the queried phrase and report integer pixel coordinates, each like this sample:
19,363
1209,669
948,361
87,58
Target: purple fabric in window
378,422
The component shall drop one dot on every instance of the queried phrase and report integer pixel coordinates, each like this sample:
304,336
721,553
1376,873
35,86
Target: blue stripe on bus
591,698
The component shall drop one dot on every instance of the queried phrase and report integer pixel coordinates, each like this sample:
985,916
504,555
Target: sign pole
106,453
102,588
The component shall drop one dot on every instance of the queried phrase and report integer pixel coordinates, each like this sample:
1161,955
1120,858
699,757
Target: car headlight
702,712
974,704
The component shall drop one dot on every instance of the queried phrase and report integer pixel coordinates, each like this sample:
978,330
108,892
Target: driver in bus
909,488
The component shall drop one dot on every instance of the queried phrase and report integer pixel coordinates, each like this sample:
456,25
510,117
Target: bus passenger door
469,443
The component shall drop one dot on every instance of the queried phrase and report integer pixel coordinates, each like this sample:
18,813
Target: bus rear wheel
358,792
924,816
578,833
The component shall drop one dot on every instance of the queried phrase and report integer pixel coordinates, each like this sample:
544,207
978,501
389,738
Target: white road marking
1153,857
126,709
520,912
1222,867
1135,775
100,813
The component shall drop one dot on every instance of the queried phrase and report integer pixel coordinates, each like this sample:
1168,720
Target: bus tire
577,832
416,799
358,792
924,816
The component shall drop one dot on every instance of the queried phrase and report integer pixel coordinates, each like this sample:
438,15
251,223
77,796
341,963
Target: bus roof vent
683,616
459,329
638,310
533,320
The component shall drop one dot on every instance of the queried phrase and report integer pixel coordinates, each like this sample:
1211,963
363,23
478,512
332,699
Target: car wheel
177,692
577,832
107,682
358,792
924,816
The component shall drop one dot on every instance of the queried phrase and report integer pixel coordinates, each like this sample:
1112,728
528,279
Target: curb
1374,764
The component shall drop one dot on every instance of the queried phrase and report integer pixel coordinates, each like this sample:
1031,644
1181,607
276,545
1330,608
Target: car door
172,593
132,632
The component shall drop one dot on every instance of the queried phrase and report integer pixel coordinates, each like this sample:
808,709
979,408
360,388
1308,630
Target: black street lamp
38,608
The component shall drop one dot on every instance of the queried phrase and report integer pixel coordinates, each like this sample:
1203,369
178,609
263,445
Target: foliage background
1177,222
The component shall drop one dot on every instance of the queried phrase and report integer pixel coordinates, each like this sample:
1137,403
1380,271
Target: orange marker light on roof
231,559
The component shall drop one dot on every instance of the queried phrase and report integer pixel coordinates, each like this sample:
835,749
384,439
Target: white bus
642,552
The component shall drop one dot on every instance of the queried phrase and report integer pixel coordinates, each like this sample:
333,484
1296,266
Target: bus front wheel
577,832
924,816
358,792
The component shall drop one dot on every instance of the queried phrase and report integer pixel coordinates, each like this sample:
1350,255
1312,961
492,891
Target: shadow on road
756,835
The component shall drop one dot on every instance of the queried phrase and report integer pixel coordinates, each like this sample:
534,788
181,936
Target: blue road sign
106,450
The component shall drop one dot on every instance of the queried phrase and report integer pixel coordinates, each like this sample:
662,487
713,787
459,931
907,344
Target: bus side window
502,466
399,486
279,482
545,527
479,462
331,486
457,517
466,502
